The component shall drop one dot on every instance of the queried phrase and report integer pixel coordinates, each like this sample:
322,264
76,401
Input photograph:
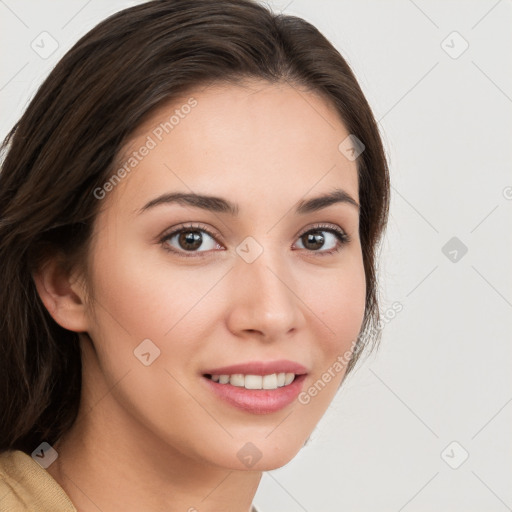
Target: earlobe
62,295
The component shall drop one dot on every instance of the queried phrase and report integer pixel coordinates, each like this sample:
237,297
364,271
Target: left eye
315,239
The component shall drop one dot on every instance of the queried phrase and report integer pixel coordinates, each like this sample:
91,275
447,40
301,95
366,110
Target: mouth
257,388
270,381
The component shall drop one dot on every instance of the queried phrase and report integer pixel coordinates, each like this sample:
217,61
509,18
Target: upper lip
259,368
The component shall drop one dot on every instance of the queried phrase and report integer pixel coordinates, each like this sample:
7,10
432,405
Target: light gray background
442,373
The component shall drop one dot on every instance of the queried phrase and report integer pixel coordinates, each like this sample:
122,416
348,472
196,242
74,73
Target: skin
155,437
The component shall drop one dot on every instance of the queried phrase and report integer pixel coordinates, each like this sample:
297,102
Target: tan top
25,486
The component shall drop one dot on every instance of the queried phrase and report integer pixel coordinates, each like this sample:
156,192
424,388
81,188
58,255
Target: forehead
255,139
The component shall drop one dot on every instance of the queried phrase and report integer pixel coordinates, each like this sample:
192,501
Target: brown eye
327,238
189,239
313,240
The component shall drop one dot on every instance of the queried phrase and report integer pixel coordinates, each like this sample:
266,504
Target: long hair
65,144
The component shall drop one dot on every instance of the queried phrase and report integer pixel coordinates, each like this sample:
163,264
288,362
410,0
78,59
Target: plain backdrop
424,423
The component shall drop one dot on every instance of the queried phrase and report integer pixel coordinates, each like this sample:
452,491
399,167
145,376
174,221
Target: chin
259,454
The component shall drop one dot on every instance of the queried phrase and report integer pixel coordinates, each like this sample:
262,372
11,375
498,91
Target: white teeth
253,382
237,380
272,381
289,378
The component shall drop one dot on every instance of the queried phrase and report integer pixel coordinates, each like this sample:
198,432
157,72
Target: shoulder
27,486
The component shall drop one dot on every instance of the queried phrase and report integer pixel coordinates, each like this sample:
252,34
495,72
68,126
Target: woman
191,207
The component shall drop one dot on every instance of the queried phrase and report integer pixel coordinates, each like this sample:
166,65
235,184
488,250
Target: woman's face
246,287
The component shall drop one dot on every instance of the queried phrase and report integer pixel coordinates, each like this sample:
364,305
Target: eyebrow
221,205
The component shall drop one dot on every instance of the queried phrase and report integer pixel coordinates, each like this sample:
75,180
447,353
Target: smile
271,381
257,387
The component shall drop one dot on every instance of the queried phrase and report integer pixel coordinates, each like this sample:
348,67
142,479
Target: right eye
188,239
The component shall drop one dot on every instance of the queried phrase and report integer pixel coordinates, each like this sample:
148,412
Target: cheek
344,302
338,303
338,298
140,296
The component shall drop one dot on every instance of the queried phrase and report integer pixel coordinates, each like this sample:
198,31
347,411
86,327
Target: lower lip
258,401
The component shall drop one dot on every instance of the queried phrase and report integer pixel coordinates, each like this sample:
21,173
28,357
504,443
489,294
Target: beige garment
25,486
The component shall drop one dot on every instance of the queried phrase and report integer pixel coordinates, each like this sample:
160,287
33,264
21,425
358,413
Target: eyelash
342,237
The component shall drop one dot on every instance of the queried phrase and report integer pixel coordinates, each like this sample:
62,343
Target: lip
259,368
257,401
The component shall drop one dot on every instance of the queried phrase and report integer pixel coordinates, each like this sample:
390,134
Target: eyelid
189,225
321,227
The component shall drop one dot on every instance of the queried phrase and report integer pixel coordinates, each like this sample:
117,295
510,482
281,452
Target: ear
62,294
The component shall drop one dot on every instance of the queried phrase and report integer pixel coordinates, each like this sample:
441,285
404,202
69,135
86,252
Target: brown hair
65,144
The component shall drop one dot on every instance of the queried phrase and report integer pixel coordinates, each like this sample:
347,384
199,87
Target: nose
264,299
